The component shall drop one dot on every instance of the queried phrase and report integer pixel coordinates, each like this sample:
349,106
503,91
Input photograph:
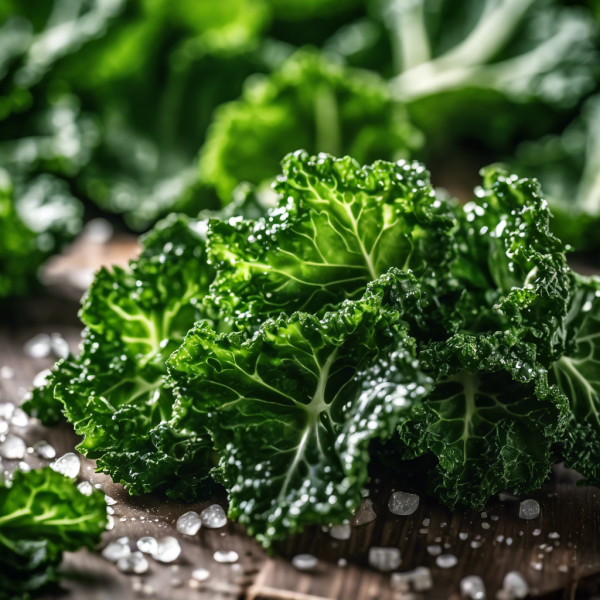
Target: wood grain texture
572,512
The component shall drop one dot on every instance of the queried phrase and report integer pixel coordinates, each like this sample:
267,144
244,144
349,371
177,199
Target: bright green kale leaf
309,103
293,408
114,392
511,271
43,514
337,227
577,374
491,419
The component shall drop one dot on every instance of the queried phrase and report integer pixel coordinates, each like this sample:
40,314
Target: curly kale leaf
577,374
490,421
512,272
337,227
292,408
42,515
114,392
310,103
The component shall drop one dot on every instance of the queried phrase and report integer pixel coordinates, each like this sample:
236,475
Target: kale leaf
42,515
337,227
292,408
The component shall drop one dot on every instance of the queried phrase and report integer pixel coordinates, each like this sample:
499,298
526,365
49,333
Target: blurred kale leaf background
132,109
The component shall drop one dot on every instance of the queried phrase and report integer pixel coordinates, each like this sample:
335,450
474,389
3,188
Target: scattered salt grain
463,536
19,418
384,559
44,449
403,504
189,523
147,545
226,556
340,532
6,372
68,465
434,550
472,587
116,550
85,487
364,514
305,562
134,563
38,346
109,501
515,585
213,517
529,509
110,523
12,448
446,561
167,550
200,574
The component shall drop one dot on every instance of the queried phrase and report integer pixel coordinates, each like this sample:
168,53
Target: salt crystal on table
68,465
434,550
189,523
109,501
40,379
3,427
59,346
147,544
305,562
85,487
6,410
554,535
222,556
38,346
446,561
515,585
364,514
110,523
13,448
403,504
24,467
167,550
340,532
115,550
19,418
384,559
473,587
200,574
213,517
463,536
421,579
529,509
134,563
6,372
44,449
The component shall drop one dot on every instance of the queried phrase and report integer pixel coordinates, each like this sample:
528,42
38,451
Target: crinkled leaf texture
337,227
311,102
293,408
114,392
511,271
577,374
43,514
490,421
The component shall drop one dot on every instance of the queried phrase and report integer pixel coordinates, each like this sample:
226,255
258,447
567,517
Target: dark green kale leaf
36,219
494,71
490,421
577,374
511,271
567,166
42,515
310,103
337,227
292,409
114,392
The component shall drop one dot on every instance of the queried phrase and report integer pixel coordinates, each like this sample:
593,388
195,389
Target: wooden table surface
553,566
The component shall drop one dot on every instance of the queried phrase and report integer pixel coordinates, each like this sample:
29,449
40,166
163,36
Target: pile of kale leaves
268,354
